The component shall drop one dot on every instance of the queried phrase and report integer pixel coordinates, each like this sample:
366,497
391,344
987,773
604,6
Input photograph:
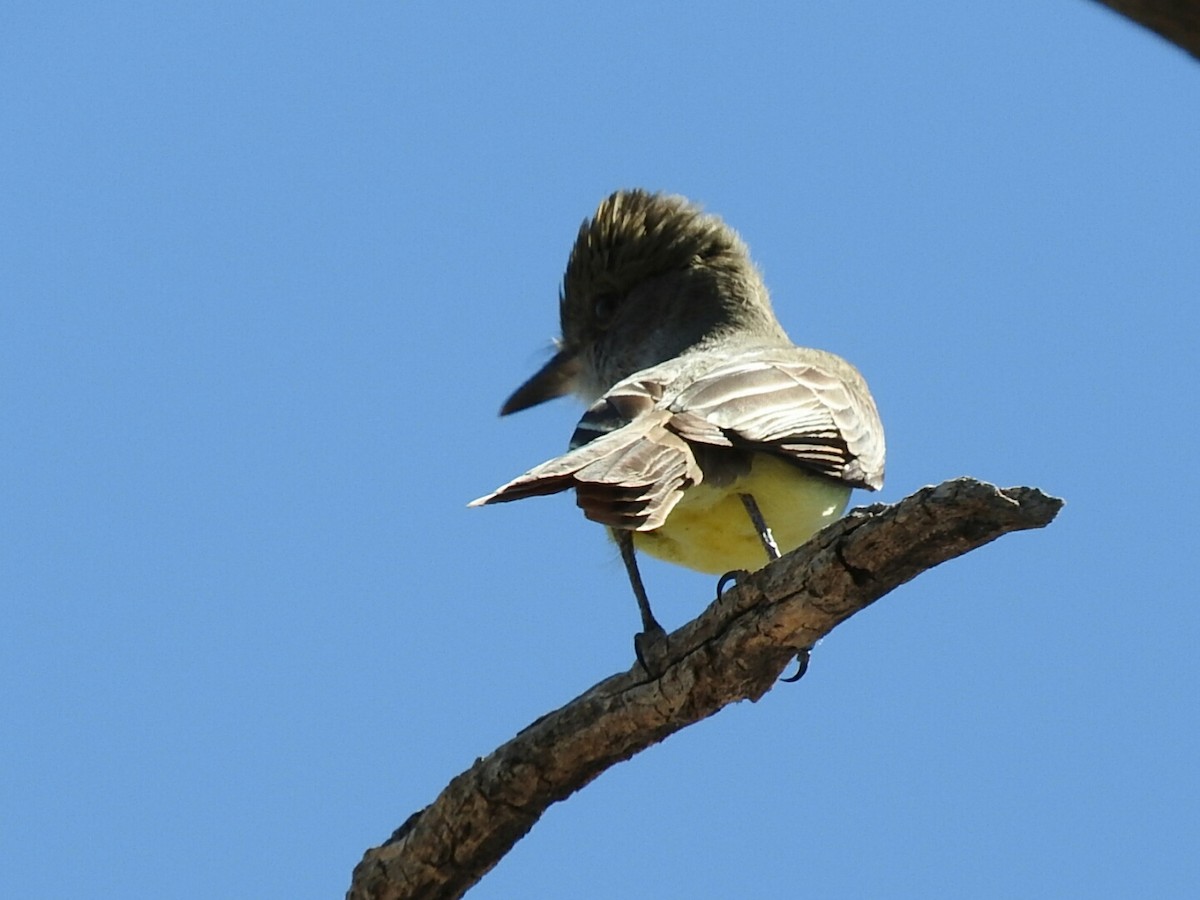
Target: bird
710,440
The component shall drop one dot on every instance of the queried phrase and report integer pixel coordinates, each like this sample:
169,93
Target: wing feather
632,455
806,405
629,474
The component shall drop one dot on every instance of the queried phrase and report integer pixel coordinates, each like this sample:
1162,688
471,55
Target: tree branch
1176,20
735,650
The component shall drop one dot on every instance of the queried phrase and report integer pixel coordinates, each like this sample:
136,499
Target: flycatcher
711,440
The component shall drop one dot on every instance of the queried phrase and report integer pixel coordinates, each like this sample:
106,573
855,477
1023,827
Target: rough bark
1176,20
735,650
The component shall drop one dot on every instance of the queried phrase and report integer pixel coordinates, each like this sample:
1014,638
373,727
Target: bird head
650,276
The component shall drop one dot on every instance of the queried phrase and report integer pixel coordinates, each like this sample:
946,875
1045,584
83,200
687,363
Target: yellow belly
710,531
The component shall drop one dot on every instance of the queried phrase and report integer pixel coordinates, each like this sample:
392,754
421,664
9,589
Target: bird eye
605,308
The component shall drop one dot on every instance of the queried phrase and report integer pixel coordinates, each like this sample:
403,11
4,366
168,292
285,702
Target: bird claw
651,648
735,576
802,666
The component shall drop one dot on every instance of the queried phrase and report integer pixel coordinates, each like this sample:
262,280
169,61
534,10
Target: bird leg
650,643
764,533
768,542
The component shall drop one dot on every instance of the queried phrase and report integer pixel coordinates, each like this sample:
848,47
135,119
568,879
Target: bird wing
627,467
804,405
633,453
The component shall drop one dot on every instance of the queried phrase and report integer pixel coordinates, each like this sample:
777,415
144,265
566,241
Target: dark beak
555,378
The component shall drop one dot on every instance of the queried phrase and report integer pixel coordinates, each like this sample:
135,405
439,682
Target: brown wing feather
631,461
802,404
629,476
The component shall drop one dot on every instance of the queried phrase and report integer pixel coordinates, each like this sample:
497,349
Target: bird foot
651,647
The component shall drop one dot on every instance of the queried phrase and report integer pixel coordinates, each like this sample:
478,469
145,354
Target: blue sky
269,270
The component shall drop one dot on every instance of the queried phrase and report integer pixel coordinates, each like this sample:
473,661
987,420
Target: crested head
650,277
635,236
